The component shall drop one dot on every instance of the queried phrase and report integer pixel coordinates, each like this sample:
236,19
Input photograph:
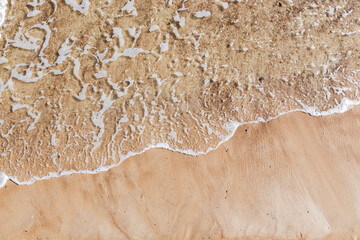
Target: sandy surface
294,177
82,86
77,96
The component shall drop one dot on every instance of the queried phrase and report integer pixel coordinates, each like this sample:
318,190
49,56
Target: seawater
85,85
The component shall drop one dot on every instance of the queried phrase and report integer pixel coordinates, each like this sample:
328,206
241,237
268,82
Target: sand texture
295,177
85,85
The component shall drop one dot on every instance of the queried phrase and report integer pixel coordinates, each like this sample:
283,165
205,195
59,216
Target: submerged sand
295,177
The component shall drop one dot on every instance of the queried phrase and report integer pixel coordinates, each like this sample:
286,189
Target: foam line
344,105
3,179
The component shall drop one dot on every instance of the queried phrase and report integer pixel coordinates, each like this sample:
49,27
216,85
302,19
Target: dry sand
243,63
294,177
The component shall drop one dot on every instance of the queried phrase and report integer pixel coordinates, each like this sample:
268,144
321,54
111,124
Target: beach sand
295,177
83,87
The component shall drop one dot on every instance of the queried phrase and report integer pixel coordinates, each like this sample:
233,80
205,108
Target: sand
295,177
77,96
82,86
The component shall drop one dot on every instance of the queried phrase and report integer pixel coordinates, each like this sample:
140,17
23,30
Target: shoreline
344,106
294,177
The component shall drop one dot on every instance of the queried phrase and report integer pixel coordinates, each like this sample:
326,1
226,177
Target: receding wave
86,84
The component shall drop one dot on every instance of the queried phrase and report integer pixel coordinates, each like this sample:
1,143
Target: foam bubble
83,7
3,4
202,14
3,179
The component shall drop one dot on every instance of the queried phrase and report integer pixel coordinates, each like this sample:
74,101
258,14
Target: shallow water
84,86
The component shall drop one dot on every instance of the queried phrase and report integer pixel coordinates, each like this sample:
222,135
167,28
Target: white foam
83,7
27,77
3,4
178,74
153,28
65,50
34,4
180,20
76,68
3,59
129,8
117,32
100,74
164,47
202,14
225,5
344,105
82,94
132,52
3,179
231,127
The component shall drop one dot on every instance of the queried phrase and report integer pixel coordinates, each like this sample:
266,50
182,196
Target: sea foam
3,179
3,4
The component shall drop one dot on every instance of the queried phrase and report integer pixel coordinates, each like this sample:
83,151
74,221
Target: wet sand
291,178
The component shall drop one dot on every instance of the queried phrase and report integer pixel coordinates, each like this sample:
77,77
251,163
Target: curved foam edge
344,105
3,179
